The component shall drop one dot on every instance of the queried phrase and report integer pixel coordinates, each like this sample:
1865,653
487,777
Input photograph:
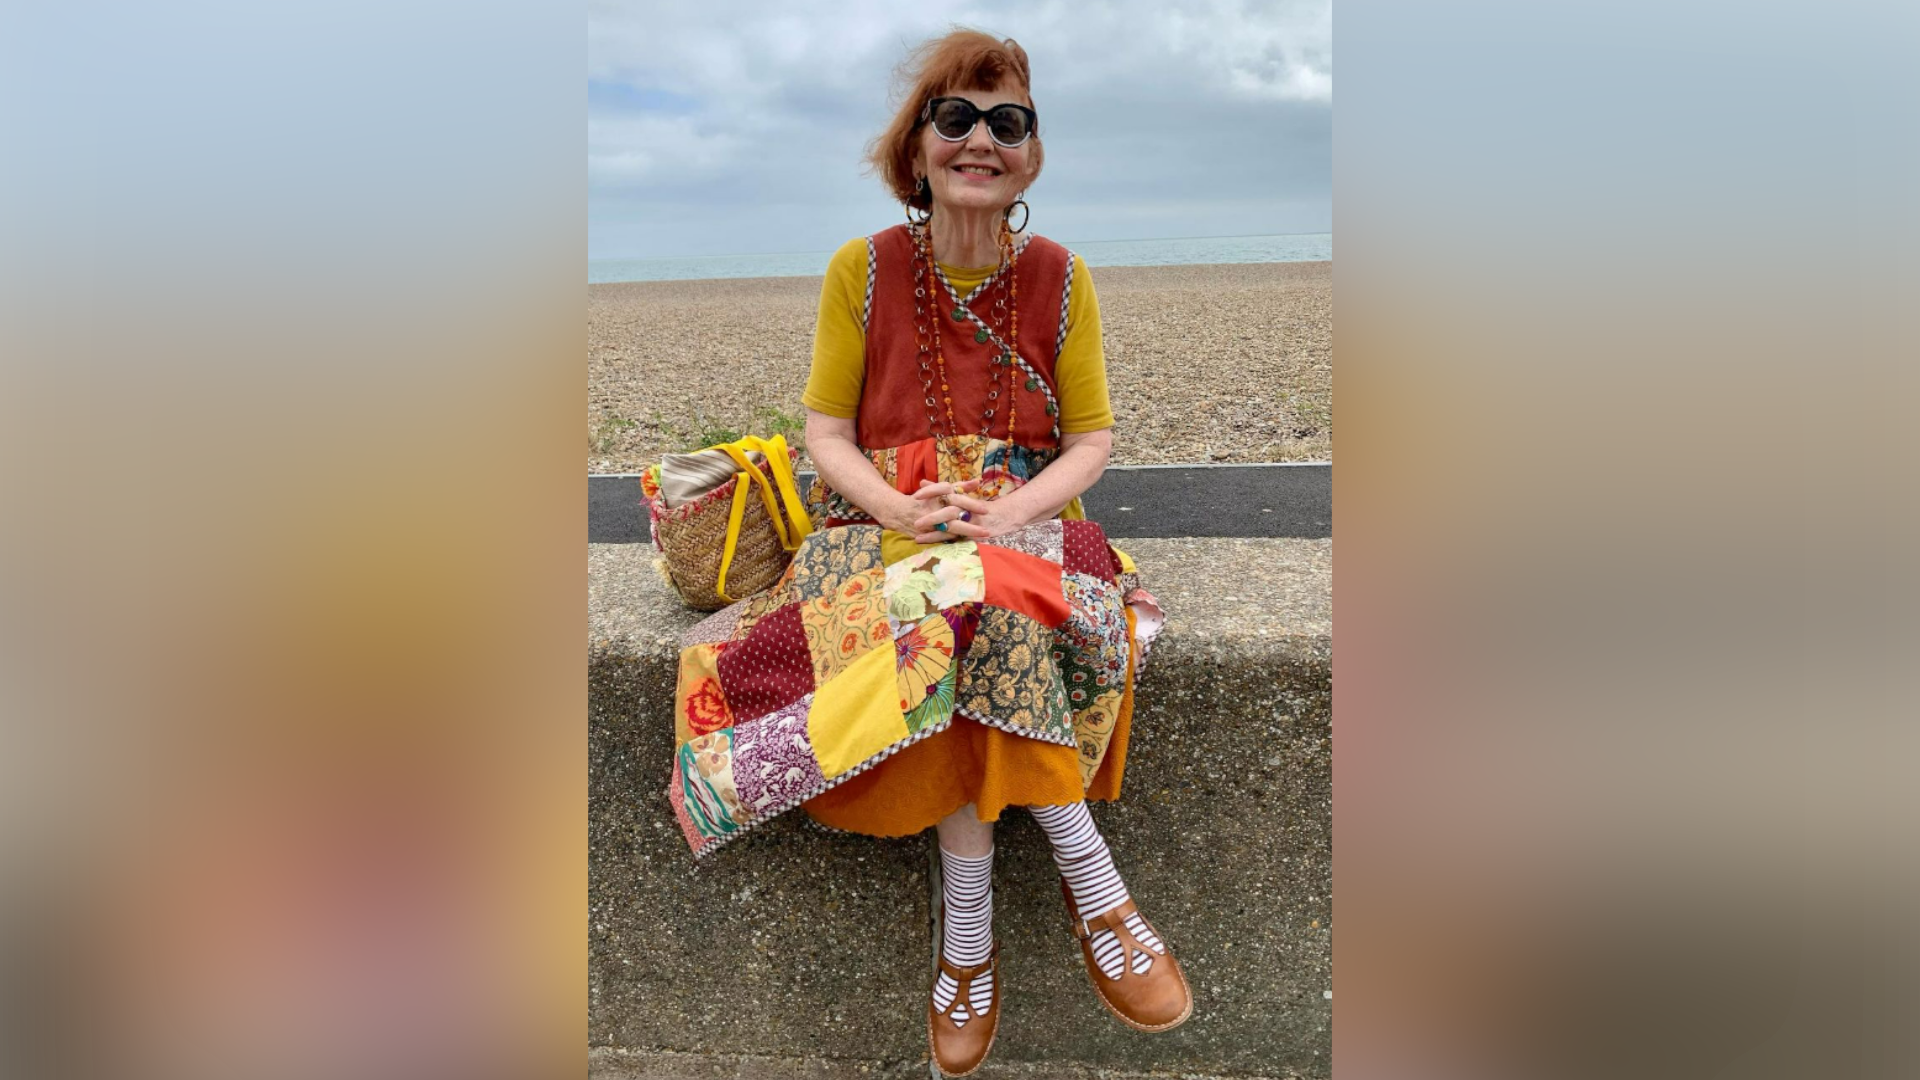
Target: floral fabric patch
1008,465
707,789
699,705
1090,649
1042,540
841,626
924,666
1009,679
774,767
1092,642
829,557
945,576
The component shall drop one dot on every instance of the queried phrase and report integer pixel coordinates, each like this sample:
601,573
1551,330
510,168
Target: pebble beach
1205,363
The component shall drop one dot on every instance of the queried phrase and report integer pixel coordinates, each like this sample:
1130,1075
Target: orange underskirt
969,762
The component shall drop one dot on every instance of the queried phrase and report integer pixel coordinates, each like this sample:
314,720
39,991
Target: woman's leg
1082,856
964,834
966,930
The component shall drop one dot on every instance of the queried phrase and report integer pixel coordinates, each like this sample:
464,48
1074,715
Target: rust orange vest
893,409
893,424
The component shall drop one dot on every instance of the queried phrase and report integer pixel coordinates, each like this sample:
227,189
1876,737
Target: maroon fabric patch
965,619
769,668
1084,550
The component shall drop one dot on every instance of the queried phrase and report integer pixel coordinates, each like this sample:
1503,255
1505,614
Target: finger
951,517
968,502
926,522
957,530
932,491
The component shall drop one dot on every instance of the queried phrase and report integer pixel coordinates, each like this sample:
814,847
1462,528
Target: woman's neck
966,238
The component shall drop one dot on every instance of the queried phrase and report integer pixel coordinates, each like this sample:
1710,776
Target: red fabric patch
768,669
1024,583
915,462
707,709
1084,550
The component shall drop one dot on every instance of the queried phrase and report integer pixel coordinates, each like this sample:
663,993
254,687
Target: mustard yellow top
840,343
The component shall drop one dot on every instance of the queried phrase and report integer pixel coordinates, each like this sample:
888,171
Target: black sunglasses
954,118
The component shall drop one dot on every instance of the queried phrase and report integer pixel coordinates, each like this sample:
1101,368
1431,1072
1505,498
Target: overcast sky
736,127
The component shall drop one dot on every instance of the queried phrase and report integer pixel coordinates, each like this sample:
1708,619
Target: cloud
650,149
742,126
1282,51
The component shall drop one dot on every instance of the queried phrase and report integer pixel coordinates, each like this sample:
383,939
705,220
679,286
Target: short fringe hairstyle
962,60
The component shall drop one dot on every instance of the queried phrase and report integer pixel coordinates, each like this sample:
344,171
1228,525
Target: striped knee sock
966,931
1082,856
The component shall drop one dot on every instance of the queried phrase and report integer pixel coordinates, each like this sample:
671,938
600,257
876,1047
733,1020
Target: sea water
1288,247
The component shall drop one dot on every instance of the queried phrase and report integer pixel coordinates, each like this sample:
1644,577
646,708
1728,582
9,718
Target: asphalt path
1139,500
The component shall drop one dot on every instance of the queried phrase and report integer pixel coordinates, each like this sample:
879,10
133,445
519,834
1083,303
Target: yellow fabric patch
1126,562
1073,511
843,625
895,546
857,715
1093,730
698,704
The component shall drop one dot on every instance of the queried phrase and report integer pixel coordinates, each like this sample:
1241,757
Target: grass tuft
605,435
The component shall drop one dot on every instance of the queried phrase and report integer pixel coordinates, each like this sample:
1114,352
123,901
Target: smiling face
976,173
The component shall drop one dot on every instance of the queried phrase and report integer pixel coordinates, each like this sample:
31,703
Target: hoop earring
1026,214
925,190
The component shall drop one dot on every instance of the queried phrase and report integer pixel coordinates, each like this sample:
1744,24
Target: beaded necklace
933,360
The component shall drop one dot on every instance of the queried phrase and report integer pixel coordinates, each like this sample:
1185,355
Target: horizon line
777,254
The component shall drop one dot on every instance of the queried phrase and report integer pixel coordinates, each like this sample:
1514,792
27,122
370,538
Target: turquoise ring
940,526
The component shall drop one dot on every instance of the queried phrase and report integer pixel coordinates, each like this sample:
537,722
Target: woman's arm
847,470
1083,457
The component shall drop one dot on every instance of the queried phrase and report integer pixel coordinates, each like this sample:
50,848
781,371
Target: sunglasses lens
1008,125
954,119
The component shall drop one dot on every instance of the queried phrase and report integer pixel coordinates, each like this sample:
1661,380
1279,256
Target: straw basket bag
734,539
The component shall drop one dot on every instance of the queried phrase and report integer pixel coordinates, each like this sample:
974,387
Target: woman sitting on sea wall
955,639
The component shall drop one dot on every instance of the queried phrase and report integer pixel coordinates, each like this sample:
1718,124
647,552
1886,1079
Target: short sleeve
1081,368
840,335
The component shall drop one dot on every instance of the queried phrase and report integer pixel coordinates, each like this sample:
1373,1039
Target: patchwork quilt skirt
884,683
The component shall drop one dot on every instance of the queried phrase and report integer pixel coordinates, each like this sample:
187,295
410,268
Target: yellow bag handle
781,486
781,489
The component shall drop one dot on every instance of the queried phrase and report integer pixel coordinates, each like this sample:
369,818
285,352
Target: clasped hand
937,503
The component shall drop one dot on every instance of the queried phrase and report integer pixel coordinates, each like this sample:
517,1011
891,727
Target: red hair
962,60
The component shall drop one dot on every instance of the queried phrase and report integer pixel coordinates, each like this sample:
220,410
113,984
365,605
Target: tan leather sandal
1156,1001
959,1049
